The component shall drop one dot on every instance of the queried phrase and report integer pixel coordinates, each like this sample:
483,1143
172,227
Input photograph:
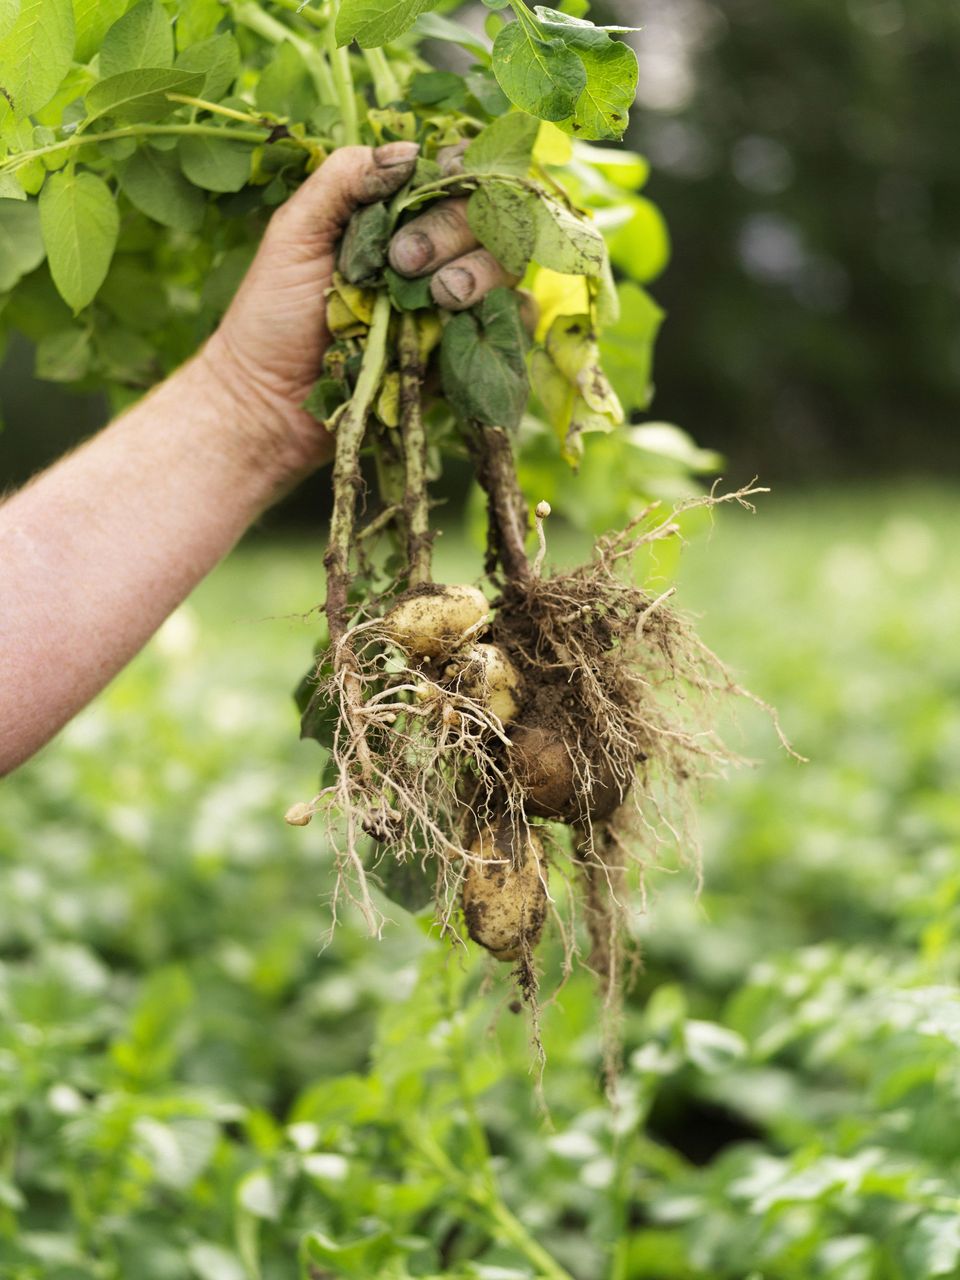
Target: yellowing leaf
429,332
557,295
388,402
553,146
572,346
341,321
361,302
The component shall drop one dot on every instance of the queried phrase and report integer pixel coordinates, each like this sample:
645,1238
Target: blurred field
791,1098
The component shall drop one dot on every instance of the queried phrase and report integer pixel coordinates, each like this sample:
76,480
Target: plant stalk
266,25
16,161
508,519
386,87
346,472
416,502
342,79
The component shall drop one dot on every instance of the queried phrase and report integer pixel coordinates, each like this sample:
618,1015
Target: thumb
315,216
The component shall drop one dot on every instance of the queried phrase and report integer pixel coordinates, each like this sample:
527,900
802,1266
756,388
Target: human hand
268,348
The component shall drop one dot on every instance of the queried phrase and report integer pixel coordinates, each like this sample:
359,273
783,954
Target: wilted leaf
566,242
364,249
503,217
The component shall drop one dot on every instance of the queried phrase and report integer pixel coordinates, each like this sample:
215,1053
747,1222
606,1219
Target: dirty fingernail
458,282
411,251
392,153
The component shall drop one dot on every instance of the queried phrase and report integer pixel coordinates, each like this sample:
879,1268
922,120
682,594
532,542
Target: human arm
99,549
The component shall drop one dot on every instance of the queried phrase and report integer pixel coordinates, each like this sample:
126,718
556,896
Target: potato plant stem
507,515
342,78
259,134
416,504
346,471
269,28
385,84
489,1210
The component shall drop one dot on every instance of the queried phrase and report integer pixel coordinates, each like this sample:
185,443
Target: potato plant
480,740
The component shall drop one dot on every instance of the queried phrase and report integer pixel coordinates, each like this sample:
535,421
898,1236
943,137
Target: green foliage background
190,1087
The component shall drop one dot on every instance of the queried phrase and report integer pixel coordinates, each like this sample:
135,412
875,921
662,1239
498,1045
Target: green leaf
286,87
933,1247
93,19
364,249
567,243
408,884
215,164
177,1150
503,217
505,146
482,363
627,346
141,95
218,59
9,12
257,1194
483,86
125,357
542,77
79,220
580,33
141,38
603,109
640,246
35,55
10,188
409,295
431,88
63,356
133,294
669,446
21,242
153,182
211,1262
197,20
375,22
357,1260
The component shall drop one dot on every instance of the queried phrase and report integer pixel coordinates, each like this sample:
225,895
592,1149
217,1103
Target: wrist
264,425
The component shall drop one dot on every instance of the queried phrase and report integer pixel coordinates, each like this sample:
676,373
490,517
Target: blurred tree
804,156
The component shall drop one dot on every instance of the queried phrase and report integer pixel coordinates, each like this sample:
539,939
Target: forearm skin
97,551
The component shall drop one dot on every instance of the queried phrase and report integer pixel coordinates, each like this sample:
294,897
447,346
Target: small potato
489,676
505,905
543,766
427,623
